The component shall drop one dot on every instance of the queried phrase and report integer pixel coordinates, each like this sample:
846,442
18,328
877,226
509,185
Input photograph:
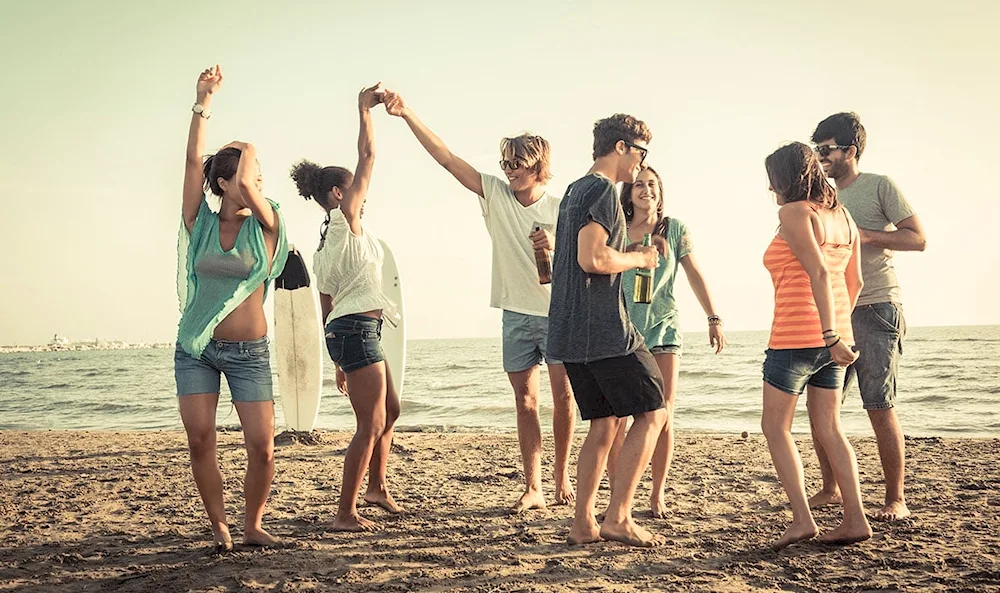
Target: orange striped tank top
796,318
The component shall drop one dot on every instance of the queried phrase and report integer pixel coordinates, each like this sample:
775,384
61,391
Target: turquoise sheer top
212,282
658,321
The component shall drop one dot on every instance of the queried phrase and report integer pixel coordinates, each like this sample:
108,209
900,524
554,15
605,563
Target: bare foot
846,534
383,499
255,536
657,507
564,491
824,498
222,541
532,499
631,534
354,522
893,511
587,533
796,533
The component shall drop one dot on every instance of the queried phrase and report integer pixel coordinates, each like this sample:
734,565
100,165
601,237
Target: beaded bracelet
714,320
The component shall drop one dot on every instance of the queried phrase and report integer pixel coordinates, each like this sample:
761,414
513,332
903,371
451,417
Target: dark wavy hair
221,164
315,182
846,130
796,174
626,197
620,126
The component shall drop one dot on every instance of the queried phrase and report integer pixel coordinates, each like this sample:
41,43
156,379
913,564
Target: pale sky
96,108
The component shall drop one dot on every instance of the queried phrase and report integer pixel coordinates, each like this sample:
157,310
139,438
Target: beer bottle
543,261
644,279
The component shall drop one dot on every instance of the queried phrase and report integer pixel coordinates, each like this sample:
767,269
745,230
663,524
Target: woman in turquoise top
228,259
658,321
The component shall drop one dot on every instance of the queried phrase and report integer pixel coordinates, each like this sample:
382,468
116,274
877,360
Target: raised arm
596,257
716,337
209,82
248,182
797,229
354,197
461,170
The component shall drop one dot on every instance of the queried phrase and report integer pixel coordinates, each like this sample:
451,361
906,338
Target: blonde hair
531,151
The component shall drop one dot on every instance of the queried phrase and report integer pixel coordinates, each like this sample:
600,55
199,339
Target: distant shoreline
84,346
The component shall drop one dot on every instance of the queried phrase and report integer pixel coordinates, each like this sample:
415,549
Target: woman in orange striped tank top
815,265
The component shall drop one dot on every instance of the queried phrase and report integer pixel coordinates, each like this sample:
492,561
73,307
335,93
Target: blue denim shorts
353,341
524,339
878,333
246,365
793,369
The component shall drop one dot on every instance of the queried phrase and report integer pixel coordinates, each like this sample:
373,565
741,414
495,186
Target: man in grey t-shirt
886,223
613,374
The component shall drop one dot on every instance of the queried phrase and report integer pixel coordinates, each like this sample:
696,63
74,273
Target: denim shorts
792,369
353,341
666,349
878,333
524,339
246,365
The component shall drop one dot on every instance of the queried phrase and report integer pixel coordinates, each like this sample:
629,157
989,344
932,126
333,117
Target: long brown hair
626,196
796,174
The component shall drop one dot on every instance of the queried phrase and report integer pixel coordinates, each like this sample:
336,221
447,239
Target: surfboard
298,340
394,338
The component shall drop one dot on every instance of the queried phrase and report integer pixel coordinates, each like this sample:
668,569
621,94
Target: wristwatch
200,110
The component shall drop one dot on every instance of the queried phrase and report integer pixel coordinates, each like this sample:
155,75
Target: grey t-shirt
876,204
588,319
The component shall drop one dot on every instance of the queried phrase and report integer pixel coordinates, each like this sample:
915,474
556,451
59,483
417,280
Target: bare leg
830,493
824,415
378,485
257,419
892,452
776,423
367,390
589,468
563,420
529,435
635,455
198,416
664,452
616,449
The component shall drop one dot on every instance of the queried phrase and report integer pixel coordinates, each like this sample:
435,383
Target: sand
102,511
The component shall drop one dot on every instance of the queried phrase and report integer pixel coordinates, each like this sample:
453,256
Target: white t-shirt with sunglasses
515,284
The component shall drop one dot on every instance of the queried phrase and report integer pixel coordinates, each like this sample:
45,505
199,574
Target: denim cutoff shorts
353,341
524,341
246,365
793,369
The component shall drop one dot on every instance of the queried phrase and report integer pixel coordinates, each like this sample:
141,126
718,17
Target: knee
391,415
772,427
261,452
527,403
373,429
201,445
656,418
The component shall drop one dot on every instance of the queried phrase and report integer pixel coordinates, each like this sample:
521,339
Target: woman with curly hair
348,269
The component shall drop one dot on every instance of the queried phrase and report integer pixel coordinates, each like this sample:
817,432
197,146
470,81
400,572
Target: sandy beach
103,511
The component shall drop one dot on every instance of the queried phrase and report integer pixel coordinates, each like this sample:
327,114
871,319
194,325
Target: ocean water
949,385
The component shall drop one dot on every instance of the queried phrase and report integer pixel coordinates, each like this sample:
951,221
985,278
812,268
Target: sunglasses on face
642,150
512,165
824,150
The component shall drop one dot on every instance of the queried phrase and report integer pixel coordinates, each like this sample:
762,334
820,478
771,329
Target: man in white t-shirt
520,217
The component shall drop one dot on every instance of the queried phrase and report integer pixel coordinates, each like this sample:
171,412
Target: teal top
212,282
658,321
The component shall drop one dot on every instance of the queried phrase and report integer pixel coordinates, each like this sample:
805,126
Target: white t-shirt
515,284
348,267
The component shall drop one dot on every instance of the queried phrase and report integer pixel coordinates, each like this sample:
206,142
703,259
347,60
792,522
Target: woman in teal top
658,321
228,259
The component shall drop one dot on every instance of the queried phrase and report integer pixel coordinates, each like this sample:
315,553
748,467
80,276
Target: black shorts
622,386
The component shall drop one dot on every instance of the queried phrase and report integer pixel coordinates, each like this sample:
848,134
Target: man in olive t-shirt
886,223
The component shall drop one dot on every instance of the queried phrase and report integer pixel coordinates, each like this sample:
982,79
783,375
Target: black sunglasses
513,165
642,150
824,150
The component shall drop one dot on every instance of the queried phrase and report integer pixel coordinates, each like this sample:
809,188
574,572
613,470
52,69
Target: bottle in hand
543,260
644,279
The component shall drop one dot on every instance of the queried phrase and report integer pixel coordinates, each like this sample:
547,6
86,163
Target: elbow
921,243
819,274
246,185
588,263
